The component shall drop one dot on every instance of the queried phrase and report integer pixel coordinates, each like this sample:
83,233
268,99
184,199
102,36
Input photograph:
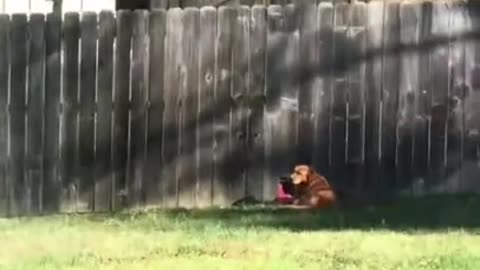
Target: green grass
433,233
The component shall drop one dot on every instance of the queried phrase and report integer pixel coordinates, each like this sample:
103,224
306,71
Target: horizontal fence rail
201,107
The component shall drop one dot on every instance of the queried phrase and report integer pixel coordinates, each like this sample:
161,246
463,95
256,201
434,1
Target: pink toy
282,196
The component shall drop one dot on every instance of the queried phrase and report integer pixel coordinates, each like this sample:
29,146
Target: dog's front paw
296,201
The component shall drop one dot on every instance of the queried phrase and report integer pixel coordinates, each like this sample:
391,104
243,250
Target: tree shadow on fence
300,73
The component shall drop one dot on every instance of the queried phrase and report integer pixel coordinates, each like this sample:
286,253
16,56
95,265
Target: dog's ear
311,174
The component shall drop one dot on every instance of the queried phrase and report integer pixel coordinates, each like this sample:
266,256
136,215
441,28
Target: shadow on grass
430,213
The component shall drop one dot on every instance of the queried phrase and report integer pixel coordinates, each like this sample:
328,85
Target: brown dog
312,189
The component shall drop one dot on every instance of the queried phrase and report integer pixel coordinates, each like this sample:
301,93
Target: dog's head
301,174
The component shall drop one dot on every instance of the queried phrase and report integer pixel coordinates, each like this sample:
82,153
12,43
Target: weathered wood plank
121,106
171,126
391,70
189,107
289,105
456,98
191,3
158,4
88,85
205,136
35,111
256,93
306,103
323,90
338,149
103,125
5,184
138,112
422,101
52,184
471,123
410,19
439,97
156,78
18,79
282,95
223,103
373,96
174,3
356,99
69,135
239,93
275,21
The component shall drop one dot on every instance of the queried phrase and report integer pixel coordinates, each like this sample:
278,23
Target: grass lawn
432,233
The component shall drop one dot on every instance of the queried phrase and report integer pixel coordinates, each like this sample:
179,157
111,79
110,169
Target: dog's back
320,194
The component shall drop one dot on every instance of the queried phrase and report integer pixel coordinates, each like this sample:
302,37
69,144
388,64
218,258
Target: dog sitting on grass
311,190
304,188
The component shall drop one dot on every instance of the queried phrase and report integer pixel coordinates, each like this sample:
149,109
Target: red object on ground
282,196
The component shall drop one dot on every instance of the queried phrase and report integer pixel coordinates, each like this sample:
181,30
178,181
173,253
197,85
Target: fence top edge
208,8
322,4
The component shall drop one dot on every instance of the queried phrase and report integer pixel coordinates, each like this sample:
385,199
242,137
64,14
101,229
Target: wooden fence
201,107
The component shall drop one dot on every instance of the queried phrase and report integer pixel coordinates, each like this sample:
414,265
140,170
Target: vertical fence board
422,99
189,100
138,112
323,90
256,92
158,4
282,96
103,124
275,22
223,103
457,97
121,107
18,78
88,72
391,69
205,135
439,98
154,161
356,99
173,75
471,147
410,18
339,103
5,183
289,105
306,102
239,92
36,73
373,95
173,3
69,144
52,184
